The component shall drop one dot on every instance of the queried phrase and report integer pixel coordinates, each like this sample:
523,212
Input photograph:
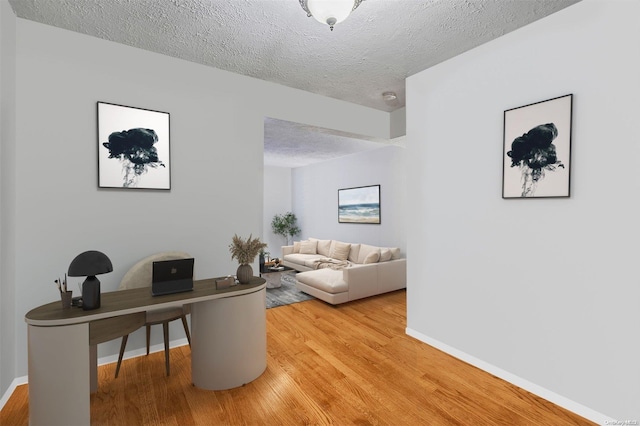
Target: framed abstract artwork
359,205
537,149
133,148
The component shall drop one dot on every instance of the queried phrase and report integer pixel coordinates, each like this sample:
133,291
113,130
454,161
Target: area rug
287,293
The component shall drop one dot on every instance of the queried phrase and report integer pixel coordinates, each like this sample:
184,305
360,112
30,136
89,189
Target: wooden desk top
124,302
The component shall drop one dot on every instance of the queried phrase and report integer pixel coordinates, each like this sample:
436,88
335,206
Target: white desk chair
140,275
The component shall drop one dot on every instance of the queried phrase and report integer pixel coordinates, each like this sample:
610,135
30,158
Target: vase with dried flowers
245,251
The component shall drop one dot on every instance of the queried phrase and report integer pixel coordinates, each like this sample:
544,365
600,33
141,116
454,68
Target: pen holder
66,297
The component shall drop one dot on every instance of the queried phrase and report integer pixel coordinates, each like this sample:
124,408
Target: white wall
398,123
546,290
277,200
216,158
7,196
315,197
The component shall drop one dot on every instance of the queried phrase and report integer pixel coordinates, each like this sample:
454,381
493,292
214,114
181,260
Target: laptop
172,276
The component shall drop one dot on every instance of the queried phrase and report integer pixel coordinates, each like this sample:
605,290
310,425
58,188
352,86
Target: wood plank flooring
347,365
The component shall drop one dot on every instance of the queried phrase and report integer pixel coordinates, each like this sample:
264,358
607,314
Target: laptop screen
172,276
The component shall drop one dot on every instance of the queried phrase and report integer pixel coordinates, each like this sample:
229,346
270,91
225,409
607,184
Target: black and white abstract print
537,147
133,147
534,152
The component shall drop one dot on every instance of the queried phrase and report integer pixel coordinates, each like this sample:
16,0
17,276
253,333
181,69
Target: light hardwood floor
344,365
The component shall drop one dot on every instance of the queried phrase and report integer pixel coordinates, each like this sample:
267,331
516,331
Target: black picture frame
359,205
537,149
133,147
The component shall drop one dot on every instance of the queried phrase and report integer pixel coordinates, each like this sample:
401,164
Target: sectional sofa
338,272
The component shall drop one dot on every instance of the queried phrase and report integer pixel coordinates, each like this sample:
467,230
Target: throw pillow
395,253
353,253
296,246
324,246
339,251
385,255
372,257
308,247
365,250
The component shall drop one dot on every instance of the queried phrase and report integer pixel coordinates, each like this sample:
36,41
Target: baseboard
101,361
12,387
550,396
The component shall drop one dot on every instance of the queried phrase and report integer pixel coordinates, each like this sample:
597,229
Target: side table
273,276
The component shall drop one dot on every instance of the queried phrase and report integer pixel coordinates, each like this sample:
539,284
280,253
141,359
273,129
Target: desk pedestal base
228,341
59,375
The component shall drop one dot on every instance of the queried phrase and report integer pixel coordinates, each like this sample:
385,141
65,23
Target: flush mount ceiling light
329,12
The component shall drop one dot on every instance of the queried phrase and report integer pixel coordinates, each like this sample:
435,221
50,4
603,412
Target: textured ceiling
373,51
288,144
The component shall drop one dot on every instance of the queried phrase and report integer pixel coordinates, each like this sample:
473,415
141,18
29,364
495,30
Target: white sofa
344,271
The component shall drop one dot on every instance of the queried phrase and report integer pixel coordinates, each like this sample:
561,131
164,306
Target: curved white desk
228,344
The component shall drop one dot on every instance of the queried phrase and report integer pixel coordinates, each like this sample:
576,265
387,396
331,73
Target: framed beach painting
359,205
133,148
537,149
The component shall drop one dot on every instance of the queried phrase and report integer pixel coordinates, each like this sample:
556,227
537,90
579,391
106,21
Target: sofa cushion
395,253
310,261
369,253
324,246
302,259
296,246
308,247
372,257
353,253
385,255
339,250
327,280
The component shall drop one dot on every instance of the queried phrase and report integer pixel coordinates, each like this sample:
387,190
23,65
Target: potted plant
285,225
245,251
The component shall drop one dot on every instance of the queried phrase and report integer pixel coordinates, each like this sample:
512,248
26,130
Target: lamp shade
330,12
90,263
